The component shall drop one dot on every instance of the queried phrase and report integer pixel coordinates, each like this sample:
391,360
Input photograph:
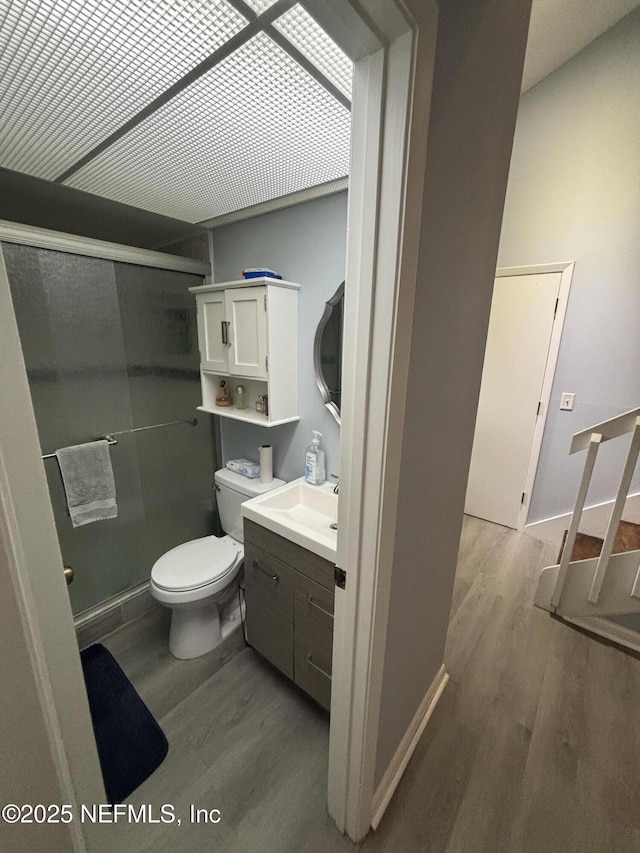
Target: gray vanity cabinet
289,596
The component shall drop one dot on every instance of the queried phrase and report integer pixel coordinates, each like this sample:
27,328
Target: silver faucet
337,485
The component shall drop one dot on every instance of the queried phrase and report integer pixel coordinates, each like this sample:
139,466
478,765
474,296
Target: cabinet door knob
225,332
256,565
68,574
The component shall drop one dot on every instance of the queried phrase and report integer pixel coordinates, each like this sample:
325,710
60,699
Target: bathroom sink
300,512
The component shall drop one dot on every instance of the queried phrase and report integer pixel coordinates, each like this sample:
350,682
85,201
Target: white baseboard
594,521
398,763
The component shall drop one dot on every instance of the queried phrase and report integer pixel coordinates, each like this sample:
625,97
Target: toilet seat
196,564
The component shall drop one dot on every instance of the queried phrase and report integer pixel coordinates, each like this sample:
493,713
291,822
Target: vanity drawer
312,675
309,564
313,619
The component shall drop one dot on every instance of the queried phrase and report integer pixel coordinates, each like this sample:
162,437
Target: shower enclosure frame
108,606
58,241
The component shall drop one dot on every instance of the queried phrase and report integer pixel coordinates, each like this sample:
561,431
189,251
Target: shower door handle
68,574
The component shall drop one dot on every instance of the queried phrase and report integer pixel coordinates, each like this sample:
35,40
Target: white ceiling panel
259,6
254,128
304,33
73,71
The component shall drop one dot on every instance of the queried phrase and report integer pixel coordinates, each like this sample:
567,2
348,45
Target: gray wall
480,51
305,244
574,194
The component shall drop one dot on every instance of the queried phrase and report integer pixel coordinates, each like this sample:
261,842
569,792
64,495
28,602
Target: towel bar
109,437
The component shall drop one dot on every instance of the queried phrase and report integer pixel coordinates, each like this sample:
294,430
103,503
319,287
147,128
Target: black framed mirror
327,353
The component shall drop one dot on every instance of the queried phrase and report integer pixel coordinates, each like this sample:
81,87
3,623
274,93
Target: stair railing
591,440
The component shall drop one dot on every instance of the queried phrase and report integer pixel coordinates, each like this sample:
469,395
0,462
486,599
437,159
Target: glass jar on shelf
241,397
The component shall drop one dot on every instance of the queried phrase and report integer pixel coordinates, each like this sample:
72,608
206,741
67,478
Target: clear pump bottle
314,467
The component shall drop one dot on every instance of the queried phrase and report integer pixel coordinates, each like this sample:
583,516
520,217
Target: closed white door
213,331
246,312
520,326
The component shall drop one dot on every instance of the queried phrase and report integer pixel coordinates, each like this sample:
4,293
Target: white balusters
616,515
591,574
592,452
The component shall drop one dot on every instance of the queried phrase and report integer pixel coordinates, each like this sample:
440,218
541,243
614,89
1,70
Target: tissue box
245,467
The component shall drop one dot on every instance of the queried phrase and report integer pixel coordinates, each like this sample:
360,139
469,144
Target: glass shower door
110,347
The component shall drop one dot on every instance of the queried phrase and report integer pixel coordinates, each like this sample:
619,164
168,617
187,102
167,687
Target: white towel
88,482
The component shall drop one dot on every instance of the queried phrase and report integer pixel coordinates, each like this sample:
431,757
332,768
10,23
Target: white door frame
391,111
566,270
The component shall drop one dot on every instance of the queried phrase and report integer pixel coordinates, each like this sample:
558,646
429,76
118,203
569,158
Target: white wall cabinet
248,335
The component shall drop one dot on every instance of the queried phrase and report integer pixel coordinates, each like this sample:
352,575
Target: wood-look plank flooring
534,746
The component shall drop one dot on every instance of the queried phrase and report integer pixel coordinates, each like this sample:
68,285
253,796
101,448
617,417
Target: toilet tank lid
244,485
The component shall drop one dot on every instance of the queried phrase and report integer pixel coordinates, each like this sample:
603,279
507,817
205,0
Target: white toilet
196,579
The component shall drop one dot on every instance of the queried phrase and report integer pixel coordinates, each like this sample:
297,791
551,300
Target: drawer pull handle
256,565
309,661
317,606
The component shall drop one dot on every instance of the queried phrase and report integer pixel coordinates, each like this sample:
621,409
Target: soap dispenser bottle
314,468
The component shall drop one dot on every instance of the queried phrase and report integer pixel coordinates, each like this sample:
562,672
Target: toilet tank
232,490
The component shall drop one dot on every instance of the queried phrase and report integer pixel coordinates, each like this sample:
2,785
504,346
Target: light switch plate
566,402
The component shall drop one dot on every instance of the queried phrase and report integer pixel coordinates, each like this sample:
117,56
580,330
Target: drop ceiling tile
259,6
310,39
73,71
254,128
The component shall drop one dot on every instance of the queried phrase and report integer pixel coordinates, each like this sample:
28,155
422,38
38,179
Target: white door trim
384,221
348,710
45,238
566,270
17,595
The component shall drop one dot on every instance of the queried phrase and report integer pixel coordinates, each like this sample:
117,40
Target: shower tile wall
108,347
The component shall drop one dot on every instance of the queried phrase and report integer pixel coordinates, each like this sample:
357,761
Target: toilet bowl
197,579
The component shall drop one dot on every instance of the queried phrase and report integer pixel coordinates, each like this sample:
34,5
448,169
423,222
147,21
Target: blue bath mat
131,745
